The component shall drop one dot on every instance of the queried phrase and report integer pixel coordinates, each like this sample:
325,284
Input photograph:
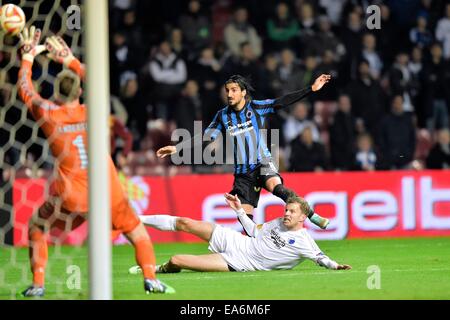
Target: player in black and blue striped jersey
243,121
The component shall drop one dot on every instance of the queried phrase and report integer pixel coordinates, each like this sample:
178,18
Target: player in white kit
281,243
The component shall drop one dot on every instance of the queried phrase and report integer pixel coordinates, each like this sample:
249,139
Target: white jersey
274,247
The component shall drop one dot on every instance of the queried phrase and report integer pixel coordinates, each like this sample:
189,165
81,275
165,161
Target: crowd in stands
387,106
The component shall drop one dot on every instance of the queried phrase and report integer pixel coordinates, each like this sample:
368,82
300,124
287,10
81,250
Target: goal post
97,94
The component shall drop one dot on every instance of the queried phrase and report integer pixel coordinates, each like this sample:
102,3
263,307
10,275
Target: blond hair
67,86
304,206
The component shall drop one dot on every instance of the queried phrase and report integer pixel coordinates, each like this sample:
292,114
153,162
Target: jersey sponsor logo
240,128
276,239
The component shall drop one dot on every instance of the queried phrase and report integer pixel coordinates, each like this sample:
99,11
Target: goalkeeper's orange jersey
66,130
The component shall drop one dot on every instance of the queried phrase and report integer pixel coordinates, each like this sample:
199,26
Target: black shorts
247,186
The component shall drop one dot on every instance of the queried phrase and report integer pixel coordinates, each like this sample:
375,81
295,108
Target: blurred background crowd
387,106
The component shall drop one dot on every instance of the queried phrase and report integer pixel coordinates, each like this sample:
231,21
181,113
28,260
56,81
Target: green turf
409,269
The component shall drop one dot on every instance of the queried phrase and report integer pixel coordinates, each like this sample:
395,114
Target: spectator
120,137
133,32
365,157
439,156
189,107
281,29
436,80
290,73
369,53
131,97
306,154
122,57
420,36
333,8
330,66
398,137
269,82
401,81
387,36
324,40
308,73
176,42
244,65
238,31
196,28
169,74
367,99
307,23
415,67
352,38
297,121
206,71
342,135
443,31
120,8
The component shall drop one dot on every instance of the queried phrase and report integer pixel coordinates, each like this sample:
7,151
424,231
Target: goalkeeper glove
58,50
29,43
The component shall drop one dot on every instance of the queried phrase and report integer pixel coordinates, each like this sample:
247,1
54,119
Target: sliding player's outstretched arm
59,51
250,227
29,48
323,260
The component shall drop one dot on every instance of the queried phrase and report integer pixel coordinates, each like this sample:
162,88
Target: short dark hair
241,81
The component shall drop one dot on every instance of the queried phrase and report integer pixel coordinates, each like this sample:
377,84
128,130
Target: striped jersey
246,130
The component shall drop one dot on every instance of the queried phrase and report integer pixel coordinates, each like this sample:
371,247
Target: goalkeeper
64,124
281,243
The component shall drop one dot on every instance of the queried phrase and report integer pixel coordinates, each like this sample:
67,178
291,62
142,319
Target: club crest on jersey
249,114
291,241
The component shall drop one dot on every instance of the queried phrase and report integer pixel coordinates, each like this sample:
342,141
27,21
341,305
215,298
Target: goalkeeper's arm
59,51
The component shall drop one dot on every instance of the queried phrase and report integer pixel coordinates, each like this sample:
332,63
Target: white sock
162,222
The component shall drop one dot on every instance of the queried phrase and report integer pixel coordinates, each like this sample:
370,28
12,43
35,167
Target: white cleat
135,270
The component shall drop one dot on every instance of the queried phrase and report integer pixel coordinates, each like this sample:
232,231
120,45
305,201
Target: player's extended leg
164,222
204,263
276,187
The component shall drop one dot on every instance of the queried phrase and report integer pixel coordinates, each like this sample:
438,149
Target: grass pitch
410,268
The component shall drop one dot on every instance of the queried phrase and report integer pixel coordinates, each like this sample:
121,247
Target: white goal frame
97,93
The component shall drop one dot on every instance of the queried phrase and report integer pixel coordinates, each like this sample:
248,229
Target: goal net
27,166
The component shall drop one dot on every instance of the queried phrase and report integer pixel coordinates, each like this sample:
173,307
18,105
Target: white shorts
232,245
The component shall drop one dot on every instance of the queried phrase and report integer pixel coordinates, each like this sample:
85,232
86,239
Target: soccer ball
12,19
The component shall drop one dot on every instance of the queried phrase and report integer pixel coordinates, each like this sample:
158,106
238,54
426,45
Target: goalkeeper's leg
37,249
145,257
47,217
